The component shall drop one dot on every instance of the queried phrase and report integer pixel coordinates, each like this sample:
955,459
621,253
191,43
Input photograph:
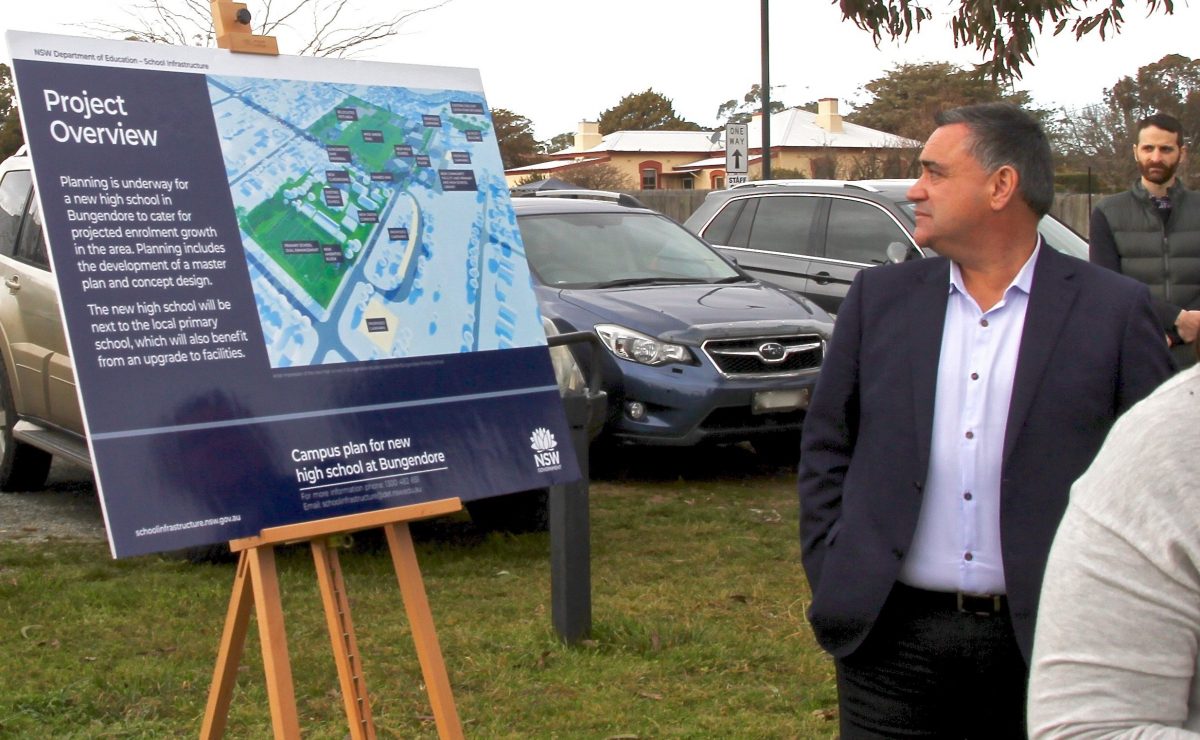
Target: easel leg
269,611
429,652
345,646
233,640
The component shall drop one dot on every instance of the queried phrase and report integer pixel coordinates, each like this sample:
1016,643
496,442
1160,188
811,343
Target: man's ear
1004,185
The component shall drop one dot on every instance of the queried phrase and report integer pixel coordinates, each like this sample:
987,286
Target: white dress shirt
956,546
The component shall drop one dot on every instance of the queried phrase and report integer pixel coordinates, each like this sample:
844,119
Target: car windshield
1057,234
591,250
1063,237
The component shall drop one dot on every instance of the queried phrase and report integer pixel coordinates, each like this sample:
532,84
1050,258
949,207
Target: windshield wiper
735,279
648,281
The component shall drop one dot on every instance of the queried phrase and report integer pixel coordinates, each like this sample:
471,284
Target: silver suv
813,236
39,409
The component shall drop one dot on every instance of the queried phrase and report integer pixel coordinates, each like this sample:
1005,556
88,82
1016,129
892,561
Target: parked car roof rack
801,182
624,199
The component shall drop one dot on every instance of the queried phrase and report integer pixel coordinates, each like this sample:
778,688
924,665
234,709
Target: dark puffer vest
1165,258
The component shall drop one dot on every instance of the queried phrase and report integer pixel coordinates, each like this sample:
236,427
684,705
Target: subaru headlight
633,345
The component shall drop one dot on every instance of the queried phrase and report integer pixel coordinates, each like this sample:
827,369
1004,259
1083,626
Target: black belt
986,605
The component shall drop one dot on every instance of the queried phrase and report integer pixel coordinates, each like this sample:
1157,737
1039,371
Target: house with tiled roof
816,145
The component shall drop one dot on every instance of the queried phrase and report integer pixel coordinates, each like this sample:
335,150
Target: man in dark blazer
959,399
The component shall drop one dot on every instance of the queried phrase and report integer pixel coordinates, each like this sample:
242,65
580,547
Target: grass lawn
698,628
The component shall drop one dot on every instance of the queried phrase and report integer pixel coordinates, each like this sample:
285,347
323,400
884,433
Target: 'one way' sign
737,154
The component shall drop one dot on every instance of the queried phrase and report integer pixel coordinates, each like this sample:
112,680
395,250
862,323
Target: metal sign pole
570,539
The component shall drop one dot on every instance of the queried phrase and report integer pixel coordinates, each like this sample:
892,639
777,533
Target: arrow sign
736,159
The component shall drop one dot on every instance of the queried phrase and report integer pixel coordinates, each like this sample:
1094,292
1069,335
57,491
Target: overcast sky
558,62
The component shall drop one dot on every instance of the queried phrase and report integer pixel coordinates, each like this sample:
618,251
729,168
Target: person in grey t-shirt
1117,645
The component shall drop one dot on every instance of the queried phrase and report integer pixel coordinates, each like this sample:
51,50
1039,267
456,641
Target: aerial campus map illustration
375,221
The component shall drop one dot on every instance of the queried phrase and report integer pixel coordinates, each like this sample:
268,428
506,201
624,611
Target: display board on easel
297,305
293,288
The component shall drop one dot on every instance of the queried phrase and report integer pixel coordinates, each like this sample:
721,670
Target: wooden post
257,584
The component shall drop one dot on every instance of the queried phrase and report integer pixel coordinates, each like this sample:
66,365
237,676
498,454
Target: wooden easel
257,584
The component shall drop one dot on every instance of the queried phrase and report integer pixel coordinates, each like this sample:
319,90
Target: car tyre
780,450
517,513
215,554
23,467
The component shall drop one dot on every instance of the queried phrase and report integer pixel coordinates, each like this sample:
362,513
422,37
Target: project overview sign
293,288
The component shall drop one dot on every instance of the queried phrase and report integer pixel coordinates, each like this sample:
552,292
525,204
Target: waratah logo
542,439
545,454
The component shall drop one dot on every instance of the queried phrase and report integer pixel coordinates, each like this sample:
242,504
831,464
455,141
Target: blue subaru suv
691,349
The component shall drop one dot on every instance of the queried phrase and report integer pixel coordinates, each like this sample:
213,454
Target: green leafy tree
786,173
1004,32
896,160
514,134
560,142
11,136
734,111
903,102
1170,85
1099,138
644,111
535,177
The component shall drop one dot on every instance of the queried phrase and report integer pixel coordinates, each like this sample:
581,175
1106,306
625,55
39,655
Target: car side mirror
898,252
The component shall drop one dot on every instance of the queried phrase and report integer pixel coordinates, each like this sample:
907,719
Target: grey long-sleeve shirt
1117,645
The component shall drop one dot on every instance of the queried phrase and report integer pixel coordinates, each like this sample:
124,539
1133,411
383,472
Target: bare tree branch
325,28
333,39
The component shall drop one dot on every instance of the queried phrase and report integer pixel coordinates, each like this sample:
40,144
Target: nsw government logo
545,450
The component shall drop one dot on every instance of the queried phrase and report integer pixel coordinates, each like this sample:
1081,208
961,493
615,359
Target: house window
689,183
650,171
718,183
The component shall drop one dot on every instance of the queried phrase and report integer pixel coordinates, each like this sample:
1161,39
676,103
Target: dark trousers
929,670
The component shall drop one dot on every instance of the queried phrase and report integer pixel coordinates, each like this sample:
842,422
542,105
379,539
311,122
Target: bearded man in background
1151,232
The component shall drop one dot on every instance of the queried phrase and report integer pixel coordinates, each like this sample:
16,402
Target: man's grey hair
1003,134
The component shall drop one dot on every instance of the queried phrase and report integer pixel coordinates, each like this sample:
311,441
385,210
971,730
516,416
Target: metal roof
789,128
553,164
798,128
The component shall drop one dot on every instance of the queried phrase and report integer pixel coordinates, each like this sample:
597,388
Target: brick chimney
828,117
588,135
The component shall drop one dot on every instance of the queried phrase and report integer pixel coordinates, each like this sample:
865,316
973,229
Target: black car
813,237
691,349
